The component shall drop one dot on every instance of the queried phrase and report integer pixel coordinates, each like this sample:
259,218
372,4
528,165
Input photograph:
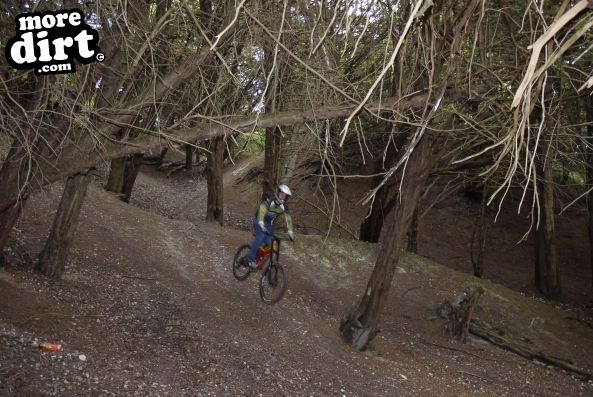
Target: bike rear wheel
272,284
240,268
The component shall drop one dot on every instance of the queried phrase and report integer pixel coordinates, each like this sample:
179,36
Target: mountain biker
267,212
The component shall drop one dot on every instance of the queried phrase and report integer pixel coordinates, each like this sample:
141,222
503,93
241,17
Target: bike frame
275,254
270,268
275,247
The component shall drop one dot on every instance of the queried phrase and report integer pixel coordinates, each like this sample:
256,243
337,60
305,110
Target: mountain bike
273,283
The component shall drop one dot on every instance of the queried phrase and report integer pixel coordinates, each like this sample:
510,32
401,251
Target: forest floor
148,306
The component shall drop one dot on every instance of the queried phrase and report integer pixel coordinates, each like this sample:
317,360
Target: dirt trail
149,306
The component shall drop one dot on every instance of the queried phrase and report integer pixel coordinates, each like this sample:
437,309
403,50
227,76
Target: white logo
49,42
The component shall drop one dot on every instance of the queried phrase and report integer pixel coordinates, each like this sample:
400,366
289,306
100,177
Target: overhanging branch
73,159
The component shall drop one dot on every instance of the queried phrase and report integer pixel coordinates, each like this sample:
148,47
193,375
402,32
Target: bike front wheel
273,284
240,268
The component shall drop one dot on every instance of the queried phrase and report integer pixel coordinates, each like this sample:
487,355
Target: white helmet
284,189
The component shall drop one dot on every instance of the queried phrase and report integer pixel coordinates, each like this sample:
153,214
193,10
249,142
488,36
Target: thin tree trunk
273,104
271,161
480,234
590,219
53,257
189,157
553,270
362,324
214,210
589,171
540,258
162,155
413,234
547,269
215,157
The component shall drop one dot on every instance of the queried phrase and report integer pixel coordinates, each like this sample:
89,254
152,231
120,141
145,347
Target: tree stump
459,313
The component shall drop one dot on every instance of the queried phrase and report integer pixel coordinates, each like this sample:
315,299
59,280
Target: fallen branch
455,350
137,277
507,342
581,321
175,169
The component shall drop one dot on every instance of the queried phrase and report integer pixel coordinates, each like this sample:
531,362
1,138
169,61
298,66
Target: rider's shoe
252,266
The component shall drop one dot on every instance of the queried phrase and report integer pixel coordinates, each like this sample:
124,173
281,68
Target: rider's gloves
262,226
291,235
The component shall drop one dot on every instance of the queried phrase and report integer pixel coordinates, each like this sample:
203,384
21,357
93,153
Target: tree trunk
214,210
553,270
10,174
117,171
53,257
162,155
589,171
189,157
15,168
132,169
122,176
480,232
590,218
413,234
547,270
361,325
271,161
370,228
540,258
7,221
300,139
272,104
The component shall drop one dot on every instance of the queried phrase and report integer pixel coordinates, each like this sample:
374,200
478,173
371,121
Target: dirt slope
149,307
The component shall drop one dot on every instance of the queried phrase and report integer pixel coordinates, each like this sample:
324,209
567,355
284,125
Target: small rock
82,357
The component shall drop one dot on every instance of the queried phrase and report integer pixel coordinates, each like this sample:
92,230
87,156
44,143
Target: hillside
148,306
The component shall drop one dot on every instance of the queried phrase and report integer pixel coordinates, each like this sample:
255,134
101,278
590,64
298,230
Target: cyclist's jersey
268,212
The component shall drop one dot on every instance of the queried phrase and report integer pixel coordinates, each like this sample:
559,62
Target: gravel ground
148,307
